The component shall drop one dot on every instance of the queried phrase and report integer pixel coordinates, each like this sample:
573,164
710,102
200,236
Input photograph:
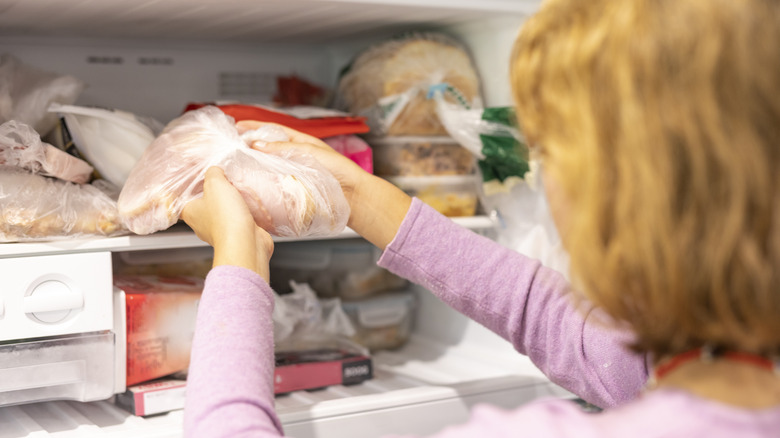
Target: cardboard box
153,397
313,369
161,314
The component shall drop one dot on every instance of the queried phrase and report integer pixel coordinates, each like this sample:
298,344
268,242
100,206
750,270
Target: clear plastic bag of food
289,195
388,83
26,93
21,146
33,207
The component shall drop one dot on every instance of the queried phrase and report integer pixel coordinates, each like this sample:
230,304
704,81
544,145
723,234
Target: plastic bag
26,93
111,140
290,195
511,189
33,207
21,146
302,321
389,82
520,210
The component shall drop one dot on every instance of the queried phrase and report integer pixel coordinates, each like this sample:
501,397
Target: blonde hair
660,119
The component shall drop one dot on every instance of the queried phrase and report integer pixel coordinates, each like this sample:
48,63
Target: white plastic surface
419,389
56,295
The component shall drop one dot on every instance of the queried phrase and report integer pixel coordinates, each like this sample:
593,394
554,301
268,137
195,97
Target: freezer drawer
55,295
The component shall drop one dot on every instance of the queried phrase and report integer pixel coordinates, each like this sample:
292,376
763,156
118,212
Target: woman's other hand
377,207
222,219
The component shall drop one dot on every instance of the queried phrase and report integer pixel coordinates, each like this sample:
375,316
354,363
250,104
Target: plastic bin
420,156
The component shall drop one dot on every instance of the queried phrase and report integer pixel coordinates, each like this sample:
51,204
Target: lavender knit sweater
230,393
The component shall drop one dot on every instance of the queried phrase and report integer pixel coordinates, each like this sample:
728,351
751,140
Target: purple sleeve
519,299
229,386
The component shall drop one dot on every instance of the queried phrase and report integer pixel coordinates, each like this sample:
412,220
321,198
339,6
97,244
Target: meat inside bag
290,195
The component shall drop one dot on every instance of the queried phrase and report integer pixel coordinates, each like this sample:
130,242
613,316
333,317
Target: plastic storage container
420,156
343,269
450,195
382,322
74,367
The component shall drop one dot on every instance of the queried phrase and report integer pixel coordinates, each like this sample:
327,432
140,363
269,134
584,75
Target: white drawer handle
52,296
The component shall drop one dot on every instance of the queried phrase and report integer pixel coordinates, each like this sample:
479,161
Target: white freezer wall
157,78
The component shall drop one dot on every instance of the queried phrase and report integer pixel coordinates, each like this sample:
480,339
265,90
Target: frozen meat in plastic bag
21,146
33,207
289,196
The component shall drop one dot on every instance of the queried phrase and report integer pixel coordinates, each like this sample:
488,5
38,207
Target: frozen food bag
21,146
111,140
26,93
388,83
33,207
289,195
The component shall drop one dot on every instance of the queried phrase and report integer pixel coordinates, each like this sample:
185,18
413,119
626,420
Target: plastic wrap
302,321
26,93
33,207
511,190
109,139
389,83
290,195
21,146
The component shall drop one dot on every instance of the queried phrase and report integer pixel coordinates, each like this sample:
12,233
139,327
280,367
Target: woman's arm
515,296
521,300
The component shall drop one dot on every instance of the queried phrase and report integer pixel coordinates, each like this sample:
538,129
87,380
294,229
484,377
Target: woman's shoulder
656,414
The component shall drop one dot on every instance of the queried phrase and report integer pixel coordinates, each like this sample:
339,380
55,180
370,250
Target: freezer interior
152,58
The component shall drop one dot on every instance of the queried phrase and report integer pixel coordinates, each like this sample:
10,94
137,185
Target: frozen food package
160,313
389,83
33,207
111,140
289,195
26,93
21,146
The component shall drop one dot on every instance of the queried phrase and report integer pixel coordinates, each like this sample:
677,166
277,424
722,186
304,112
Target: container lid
404,139
381,311
431,180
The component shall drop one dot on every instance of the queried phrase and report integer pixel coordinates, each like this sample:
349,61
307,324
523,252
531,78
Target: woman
658,127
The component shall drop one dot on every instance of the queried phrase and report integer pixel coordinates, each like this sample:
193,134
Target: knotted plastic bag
21,146
290,195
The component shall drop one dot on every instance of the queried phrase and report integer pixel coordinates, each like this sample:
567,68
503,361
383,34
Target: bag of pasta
289,196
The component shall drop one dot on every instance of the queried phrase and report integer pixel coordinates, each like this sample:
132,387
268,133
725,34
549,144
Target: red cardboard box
314,369
161,313
154,397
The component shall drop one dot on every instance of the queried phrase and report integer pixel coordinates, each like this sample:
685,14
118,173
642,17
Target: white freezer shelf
178,236
418,389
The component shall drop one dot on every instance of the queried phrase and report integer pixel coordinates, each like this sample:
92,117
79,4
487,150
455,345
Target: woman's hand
377,207
222,219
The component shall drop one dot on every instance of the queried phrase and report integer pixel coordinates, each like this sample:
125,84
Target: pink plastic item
354,148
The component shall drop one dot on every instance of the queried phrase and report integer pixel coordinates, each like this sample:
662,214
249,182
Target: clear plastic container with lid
384,321
450,195
420,156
